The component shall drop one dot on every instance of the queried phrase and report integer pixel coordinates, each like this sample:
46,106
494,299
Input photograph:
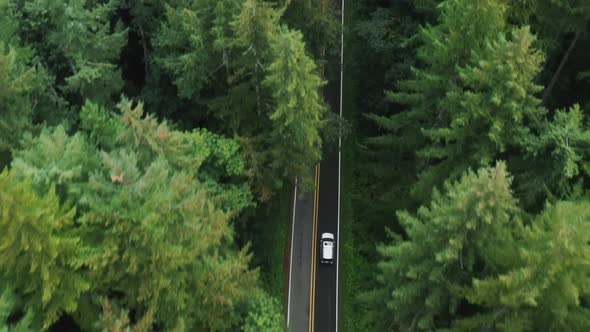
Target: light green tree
7,308
15,97
473,97
156,216
18,81
41,256
55,158
264,314
491,110
297,117
547,289
155,207
468,262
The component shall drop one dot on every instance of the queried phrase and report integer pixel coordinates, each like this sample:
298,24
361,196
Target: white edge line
339,152
291,258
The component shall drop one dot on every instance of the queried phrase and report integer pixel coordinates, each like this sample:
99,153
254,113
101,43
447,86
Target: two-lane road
314,306
325,282
325,309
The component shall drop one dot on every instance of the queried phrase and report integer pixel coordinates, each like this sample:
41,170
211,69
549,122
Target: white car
327,244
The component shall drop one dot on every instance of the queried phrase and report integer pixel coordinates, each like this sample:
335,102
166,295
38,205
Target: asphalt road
313,287
326,298
325,277
300,260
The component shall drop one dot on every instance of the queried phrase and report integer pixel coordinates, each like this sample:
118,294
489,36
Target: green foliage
555,158
104,129
81,45
379,52
491,110
295,141
152,207
356,268
110,322
193,39
270,240
178,215
554,18
15,102
254,28
466,232
40,255
7,306
211,158
234,55
155,206
472,100
319,23
55,158
468,263
169,216
264,314
545,290
21,81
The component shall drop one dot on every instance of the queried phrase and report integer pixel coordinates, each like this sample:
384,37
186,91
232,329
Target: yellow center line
316,198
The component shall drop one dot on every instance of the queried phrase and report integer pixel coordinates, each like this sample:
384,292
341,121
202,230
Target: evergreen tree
155,206
180,258
56,159
468,263
467,232
40,256
264,314
20,82
15,100
194,42
490,111
79,44
239,69
254,29
547,289
294,141
471,100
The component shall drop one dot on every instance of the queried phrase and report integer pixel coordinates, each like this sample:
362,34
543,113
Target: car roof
328,236
327,250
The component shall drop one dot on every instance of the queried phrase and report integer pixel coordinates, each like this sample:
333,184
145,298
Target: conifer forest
148,152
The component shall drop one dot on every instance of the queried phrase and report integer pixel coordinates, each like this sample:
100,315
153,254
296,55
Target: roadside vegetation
147,151
470,165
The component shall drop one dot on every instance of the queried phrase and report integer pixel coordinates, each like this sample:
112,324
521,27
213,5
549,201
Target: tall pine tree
466,232
471,98
80,46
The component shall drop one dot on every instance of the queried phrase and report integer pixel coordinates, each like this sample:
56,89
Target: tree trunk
145,51
560,68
